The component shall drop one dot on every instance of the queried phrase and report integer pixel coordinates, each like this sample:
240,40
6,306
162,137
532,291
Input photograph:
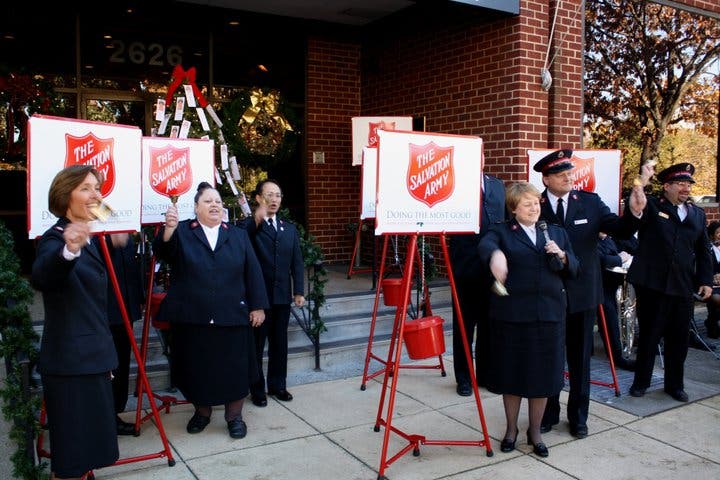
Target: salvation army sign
430,175
114,150
427,183
597,171
170,172
364,132
172,169
92,150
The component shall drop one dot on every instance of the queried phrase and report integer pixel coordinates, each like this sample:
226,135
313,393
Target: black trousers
122,373
473,297
274,330
578,348
668,317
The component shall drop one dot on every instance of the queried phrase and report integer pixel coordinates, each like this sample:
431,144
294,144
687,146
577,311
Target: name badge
582,221
663,215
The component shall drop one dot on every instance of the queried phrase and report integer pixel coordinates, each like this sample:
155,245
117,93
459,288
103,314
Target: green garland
18,341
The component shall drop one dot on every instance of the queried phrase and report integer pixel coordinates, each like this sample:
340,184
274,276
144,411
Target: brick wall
332,98
466,72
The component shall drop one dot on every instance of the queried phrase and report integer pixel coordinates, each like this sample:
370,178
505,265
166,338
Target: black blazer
280,258
586,216
535,280
673,257
464,259
76,336
220,286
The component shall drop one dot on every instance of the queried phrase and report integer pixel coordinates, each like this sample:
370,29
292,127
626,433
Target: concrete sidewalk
327,432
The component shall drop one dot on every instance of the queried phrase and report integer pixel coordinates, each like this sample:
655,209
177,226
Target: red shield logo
91,150
431,175
372,134
583,175
170,172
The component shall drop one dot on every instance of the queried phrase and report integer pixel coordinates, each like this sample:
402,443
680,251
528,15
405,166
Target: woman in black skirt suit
77,352
527,325
216,295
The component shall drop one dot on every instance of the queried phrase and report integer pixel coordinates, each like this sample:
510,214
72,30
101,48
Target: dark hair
201,188
714,225
64,183
261,184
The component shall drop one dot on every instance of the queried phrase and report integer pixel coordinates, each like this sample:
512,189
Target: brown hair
514,192
64,183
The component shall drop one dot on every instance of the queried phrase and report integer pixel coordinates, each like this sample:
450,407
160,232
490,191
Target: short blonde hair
514,193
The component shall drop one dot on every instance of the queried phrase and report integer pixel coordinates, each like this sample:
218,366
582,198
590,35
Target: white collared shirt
553,201
211,233
530,231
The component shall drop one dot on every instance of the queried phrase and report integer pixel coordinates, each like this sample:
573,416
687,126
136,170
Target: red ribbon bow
178,76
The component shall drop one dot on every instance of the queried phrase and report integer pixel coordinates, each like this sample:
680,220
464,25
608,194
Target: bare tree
644,71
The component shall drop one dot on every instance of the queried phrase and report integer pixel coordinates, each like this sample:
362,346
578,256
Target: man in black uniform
472,285
673,262
583,215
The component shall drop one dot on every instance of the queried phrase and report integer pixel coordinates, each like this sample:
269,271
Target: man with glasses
672,263
277,246
583,215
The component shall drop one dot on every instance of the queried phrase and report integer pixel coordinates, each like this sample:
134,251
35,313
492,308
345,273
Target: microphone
542,225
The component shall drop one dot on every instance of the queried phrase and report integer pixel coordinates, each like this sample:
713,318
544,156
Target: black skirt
527,359
212,365
81,419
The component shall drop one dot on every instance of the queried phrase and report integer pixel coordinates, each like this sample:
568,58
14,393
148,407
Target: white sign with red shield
114,150
364,132
174,168
428,183
369,183
597,171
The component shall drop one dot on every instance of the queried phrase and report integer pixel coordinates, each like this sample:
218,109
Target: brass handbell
499,289
101,211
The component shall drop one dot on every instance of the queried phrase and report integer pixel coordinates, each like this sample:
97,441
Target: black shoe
579,431
463,389
283,395
124,428
539,449
678,395
508,445
259,400
545,427
626,364
237,428
197,423
637,391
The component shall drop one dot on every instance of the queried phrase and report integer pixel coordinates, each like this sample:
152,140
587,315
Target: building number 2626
140,54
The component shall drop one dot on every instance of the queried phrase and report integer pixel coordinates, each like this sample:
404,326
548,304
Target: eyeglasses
272,195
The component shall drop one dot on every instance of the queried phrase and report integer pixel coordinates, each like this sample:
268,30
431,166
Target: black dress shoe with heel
283,395
539,449
545,427
237,428
197,423
508,445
